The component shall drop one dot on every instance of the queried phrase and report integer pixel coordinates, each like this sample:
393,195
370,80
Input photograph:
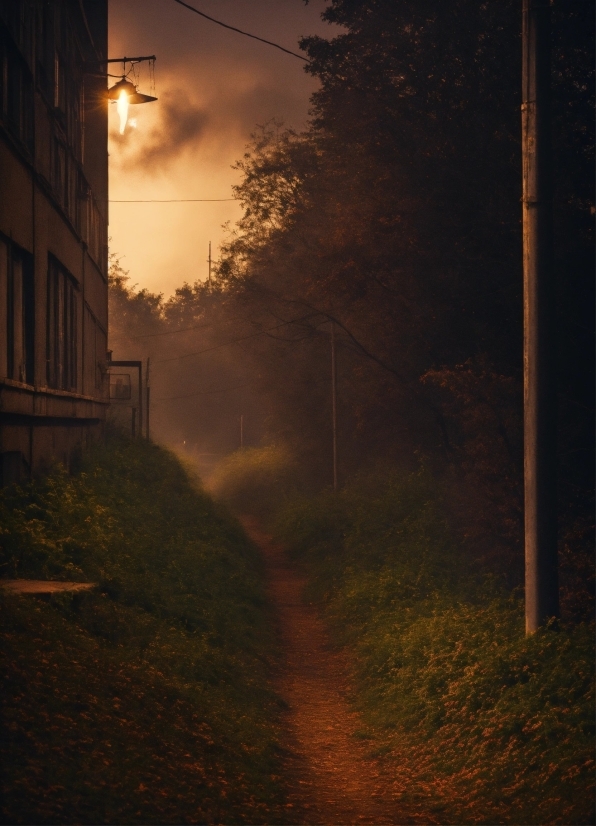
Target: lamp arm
91,67
125,60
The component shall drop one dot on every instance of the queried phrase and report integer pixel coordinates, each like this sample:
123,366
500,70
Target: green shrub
255,480
497,726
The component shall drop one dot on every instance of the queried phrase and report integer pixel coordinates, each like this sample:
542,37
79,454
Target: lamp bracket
128,59
91,67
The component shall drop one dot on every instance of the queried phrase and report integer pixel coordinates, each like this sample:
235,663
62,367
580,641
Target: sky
214,88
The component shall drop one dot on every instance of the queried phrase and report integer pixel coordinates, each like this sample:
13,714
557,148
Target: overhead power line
174,201
236,340
239,31
171,332
206,326
201,393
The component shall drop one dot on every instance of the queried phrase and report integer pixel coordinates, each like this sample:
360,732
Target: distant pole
209,278
540,398
141,398
148,389
241,431
334,404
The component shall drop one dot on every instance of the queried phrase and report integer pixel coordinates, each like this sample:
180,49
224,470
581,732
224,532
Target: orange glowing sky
214,87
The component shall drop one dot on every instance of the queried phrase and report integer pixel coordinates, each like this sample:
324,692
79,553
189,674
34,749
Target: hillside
145,700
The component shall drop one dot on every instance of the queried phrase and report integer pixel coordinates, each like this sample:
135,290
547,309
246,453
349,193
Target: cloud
181,125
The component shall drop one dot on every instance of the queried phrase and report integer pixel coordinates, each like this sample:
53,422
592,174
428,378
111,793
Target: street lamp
125,93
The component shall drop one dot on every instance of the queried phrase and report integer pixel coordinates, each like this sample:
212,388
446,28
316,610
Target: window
61,329
96,234
18,17
120,388
16,91
59,172
17,309
68,91
44,48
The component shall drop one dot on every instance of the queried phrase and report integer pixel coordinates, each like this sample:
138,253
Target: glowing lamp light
122,109
125,93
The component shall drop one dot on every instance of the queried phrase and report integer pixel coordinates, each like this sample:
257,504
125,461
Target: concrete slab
39,586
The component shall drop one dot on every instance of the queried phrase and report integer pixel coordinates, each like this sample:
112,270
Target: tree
397,215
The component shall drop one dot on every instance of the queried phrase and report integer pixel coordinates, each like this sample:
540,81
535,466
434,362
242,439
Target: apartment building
53,231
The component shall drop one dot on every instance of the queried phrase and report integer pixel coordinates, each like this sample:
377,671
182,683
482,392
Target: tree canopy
396,216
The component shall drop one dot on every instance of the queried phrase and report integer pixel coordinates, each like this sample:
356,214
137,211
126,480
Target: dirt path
333,780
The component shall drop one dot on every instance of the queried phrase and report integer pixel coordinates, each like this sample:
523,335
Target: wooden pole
540,501
148,389
334,404
141,400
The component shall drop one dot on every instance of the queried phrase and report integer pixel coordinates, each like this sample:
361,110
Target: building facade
53,231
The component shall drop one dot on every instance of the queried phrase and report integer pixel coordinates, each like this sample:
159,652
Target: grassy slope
146,700
494,726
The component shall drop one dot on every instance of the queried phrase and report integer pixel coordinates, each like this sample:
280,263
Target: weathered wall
53,213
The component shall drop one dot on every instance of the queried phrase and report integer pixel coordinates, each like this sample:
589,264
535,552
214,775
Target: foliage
199,382
130,309
274,169
395,215
255,480
145,700
494,726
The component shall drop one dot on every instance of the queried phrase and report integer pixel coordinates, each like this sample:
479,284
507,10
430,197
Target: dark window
60,170
68,83
44,49
20,316
19,18
61,329
16,92
120,386
96,234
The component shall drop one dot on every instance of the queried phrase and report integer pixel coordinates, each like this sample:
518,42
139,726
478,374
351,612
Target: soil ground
333,778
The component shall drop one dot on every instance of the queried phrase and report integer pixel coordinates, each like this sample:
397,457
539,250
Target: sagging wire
202,393
240,31
237,340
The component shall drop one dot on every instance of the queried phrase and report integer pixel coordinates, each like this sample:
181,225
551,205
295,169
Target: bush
255,480
146,700
498,726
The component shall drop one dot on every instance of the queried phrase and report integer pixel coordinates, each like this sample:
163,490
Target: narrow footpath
333,779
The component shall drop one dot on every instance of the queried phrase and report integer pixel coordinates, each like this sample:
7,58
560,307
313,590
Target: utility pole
540,395
334,404
209,259
148,393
